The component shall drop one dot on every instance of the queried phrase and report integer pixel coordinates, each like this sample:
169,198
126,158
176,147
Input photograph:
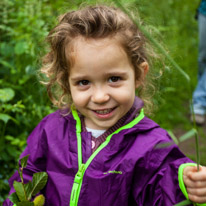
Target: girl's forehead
85,46
100,43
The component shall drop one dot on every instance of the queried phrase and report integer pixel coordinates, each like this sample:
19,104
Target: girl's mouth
104,113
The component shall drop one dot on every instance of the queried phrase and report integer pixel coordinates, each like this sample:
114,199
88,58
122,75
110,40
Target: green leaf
6,64
5,117
19,188
23,161
39,180
14,198
21,48
163,145
169,89
184,203
25,203
173,136
188,135
6,94
28,188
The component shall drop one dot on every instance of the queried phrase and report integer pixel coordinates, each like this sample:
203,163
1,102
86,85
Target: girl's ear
145,67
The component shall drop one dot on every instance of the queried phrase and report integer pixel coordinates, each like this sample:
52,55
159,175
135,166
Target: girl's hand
195,183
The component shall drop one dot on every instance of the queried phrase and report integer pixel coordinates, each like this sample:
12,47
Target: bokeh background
24,25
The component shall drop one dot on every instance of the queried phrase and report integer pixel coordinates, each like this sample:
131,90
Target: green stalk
196,137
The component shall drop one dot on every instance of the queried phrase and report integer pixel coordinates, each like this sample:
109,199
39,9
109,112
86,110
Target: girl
103,150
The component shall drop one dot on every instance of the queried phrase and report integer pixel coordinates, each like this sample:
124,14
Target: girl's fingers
194,184
198,176
192,173
199,192
197,199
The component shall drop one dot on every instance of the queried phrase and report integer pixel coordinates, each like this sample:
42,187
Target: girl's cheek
80,99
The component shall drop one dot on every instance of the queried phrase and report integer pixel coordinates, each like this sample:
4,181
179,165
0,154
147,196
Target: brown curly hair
90,22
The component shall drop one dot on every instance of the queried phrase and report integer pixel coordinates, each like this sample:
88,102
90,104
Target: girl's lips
104,113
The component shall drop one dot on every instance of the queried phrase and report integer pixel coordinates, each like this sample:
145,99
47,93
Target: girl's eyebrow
80,77
116,73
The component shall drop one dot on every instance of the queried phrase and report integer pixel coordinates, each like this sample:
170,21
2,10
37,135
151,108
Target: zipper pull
77,186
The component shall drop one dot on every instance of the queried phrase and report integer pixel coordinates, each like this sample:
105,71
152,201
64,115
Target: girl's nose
99,96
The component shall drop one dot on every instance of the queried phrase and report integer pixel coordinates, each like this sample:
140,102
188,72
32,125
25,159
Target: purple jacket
134,168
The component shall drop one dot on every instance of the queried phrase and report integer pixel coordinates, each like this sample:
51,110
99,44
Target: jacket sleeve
157,183
36,148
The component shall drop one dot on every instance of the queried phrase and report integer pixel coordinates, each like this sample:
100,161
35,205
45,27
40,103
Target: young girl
99,148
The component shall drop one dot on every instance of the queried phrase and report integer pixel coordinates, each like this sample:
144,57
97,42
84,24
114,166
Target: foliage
24,102
25,191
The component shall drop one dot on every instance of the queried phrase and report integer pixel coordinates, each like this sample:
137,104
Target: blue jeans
199,95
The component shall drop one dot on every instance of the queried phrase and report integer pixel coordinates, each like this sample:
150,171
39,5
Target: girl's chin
99,124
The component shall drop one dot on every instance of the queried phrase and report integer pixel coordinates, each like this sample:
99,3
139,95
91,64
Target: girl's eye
83,82
114,79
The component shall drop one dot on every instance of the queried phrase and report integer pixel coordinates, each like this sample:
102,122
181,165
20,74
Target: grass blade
188,135
174,138
196,137
184,203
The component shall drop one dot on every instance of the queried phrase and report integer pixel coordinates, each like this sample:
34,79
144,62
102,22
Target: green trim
78,132
182,184
76,188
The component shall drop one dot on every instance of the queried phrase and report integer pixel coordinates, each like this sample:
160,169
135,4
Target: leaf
19,188
173,136
188,135
184,203
14,198
25,203
169,89
23,161
163,145
6,94
20,48
5,117
39,180
6,64
28,188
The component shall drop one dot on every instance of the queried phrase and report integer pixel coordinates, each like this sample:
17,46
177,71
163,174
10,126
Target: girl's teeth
106,111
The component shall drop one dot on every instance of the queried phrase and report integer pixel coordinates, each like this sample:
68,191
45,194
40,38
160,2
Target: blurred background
24,25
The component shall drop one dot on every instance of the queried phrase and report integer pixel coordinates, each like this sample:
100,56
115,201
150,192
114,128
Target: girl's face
102,82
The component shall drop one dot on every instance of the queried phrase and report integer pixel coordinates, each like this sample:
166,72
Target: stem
196,137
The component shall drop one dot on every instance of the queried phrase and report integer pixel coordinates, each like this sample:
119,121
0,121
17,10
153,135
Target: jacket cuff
181,182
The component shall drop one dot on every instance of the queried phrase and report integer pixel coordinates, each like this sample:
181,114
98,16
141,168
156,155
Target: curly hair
94,22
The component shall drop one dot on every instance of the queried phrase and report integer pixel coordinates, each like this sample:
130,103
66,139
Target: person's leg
202,45
199,95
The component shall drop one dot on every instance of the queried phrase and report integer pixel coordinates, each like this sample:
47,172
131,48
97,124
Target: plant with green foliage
25,191
23,101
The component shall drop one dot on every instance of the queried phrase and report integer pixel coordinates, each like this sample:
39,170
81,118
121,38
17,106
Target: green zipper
78,179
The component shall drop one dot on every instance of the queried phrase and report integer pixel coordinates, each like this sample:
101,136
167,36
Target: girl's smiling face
102,81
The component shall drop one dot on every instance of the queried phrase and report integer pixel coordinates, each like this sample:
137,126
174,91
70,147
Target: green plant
25,191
